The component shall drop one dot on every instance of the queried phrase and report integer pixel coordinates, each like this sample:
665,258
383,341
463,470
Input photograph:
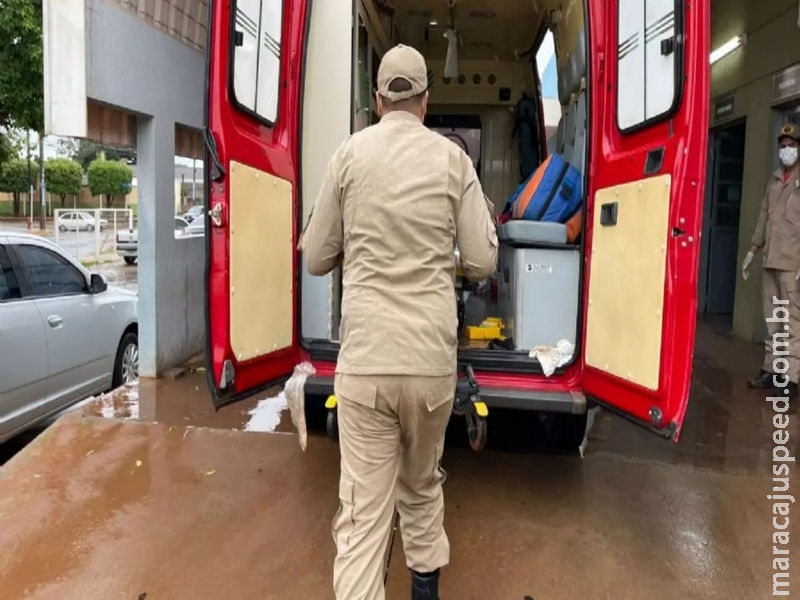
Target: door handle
55,321
608,214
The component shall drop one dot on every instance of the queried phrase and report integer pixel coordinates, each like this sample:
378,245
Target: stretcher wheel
477,432
332,425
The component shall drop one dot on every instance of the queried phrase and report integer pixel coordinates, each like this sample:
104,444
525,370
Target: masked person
778,235
396,201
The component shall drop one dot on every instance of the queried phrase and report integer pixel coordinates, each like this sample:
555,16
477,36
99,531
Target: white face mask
788,156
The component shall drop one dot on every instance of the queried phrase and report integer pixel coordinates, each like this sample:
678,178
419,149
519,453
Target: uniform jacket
396,200
778,228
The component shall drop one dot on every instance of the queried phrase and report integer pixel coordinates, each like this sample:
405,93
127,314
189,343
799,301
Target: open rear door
253,82
648,136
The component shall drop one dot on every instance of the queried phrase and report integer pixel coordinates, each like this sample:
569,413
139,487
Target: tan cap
790,130
406,63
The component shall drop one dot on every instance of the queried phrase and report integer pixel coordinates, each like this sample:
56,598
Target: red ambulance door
648,145
253,83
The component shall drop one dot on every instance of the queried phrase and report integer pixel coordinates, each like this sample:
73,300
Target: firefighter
396,200
778,235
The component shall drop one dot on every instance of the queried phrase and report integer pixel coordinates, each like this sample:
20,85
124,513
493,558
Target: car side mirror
98,283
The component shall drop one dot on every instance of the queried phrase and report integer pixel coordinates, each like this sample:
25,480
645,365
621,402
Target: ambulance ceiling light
727,48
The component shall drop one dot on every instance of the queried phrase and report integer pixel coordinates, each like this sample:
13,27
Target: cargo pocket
344,523
439,475
441,393
357,389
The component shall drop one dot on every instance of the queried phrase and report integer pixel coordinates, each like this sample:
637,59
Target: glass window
9,287
647,57
48,273
257,56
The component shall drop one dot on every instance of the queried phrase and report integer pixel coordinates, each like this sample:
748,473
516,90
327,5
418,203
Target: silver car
80,220
64,334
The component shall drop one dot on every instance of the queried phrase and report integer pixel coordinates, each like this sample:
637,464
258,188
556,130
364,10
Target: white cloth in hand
746,265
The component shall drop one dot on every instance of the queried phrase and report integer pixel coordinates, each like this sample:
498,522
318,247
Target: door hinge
228,375
216,214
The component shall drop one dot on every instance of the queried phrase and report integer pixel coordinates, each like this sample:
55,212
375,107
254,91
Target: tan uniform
396,200
778,235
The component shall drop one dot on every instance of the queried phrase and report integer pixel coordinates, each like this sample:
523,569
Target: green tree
63,176
21,57
86,152
6,149
109,178
14,180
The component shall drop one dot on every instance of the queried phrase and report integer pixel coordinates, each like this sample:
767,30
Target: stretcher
467,403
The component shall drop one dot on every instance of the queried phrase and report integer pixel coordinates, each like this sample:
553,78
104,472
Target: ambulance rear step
472,402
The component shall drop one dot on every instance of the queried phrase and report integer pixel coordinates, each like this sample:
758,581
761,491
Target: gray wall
135,67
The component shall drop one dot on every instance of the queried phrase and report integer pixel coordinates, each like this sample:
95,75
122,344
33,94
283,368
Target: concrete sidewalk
151,494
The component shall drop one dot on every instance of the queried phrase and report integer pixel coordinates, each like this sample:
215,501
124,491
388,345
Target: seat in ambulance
571,134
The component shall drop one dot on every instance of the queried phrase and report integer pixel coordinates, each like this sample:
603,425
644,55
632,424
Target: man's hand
746,265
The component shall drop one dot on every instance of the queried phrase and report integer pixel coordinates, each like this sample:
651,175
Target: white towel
553,357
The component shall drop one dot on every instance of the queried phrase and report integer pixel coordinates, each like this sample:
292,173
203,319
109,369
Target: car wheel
129,259
61,228
90,228
126,366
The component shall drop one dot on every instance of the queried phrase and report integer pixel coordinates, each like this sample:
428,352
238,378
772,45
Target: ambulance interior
533,300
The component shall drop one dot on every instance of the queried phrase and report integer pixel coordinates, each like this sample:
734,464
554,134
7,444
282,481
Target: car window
9,287
48,273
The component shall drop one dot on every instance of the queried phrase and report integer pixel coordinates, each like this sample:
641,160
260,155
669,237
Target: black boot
425,586
761,381
790,391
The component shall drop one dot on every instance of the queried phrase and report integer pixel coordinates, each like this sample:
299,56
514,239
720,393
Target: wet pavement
150,494
118,274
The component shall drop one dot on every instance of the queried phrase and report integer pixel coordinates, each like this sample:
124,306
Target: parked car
128,243
194,212
80,220
65,335
195,228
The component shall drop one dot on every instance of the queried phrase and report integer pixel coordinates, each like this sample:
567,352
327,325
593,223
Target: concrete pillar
155,157
171,271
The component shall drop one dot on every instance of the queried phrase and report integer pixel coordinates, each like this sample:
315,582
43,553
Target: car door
23,351
77,355
648,138
254,84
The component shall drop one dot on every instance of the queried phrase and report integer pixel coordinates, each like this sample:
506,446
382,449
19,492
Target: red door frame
234,134
616,158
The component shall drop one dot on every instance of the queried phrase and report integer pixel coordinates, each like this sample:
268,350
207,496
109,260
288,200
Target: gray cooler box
537,292
531,232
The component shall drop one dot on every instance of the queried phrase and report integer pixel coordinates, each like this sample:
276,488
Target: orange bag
574,226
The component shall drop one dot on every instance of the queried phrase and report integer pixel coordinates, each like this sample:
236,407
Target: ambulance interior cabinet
537,294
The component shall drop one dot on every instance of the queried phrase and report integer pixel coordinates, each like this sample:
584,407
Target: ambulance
289,80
